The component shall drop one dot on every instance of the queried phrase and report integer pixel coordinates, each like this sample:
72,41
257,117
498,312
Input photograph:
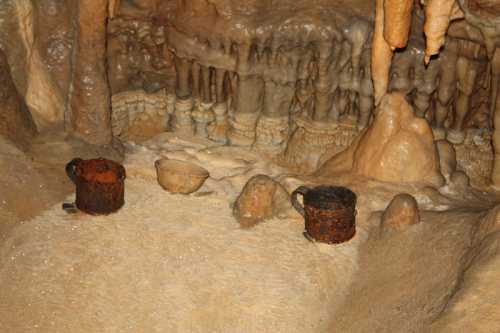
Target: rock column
90,100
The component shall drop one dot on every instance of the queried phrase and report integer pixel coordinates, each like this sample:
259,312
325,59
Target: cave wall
291,79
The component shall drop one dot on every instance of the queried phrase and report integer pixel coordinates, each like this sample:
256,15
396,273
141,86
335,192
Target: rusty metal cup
329,213
100,185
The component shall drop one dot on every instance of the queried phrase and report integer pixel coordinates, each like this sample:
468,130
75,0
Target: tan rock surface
402,211
447,158
262,198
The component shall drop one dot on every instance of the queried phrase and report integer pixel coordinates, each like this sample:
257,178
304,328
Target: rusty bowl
180,176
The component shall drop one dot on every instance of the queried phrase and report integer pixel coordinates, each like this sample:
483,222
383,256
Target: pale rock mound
398,147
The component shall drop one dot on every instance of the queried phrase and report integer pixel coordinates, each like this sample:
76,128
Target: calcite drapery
41,93
16,123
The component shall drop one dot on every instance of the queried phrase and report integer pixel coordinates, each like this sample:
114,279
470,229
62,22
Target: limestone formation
402,211
459,182
381,96
262,198
90,99
398,147
312,143
447,158
16,123
30,52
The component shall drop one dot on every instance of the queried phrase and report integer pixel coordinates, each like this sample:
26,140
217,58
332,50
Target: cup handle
295,203
70,169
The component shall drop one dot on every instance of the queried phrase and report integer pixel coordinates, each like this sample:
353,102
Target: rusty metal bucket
329,213
100,185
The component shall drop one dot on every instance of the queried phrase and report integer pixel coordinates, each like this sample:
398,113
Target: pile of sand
169,263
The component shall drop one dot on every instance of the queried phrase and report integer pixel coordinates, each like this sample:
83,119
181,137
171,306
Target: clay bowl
179,176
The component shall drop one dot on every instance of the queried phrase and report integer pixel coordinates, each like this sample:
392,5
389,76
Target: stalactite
397,21
447,85
427,78
113,6
467,71
438,15
381,55
365,92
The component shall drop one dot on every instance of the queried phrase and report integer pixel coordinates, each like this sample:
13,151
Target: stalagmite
195,81
203,115
206,84
467,71
403,64
381,55
183,68
426,84
90,101
365,92
438,15
220,126
183,103
220,76
323,100
397,22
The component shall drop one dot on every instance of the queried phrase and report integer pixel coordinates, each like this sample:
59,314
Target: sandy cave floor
173,263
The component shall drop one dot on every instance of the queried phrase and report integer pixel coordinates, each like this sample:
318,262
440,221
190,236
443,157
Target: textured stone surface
447,158
402,211
262,198
16,123
21,40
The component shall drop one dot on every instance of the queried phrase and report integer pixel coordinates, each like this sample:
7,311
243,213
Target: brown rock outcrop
398,147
